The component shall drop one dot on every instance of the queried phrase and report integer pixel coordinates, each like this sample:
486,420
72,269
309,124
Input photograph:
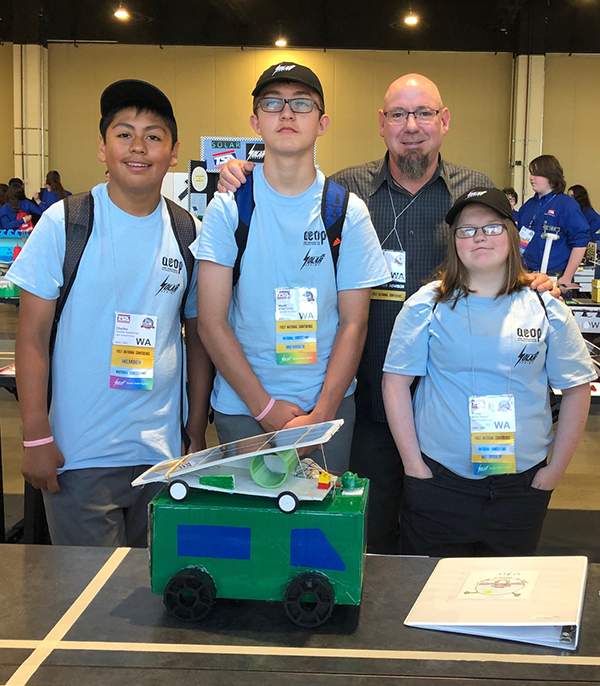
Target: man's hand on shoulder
40,464
233,175
542,283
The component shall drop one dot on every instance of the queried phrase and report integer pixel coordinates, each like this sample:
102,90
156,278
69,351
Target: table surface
86,616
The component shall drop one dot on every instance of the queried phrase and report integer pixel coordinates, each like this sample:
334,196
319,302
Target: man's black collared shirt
420,231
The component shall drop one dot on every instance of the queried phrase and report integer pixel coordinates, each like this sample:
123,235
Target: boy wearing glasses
287,336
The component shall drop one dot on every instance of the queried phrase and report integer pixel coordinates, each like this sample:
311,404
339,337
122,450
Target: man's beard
413,165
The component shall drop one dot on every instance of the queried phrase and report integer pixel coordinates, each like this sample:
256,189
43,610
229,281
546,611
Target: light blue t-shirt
514,348
287,248
132,265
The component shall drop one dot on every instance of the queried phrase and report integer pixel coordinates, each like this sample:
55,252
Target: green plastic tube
270,470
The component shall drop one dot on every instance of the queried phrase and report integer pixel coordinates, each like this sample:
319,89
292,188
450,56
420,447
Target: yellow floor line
283,651
60,629
18,644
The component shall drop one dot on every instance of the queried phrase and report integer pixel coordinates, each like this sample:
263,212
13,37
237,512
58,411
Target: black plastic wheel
309,599
178,490
190,594
287,502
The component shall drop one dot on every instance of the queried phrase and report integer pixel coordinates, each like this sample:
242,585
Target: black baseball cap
491,197
289,71
132,91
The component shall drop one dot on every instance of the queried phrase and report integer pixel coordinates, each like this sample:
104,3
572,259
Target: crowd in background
19,212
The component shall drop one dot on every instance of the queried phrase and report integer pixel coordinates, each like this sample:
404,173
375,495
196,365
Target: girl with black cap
476,439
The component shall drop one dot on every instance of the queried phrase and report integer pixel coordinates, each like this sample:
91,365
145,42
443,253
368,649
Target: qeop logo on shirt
171,264
315,237
528,335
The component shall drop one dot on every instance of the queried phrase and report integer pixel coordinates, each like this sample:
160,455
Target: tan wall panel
6,113
571,112
210,90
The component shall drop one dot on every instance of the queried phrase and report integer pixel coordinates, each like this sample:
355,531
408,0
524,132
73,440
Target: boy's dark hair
17,186
3,190
549,167
139,107
139,95
581,195
511,193
14,195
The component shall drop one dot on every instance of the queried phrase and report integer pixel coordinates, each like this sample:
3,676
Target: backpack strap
79,220
334,204
244,198
184,228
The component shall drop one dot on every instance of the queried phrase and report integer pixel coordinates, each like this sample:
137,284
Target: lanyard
397,216
114,258
541,202
471,344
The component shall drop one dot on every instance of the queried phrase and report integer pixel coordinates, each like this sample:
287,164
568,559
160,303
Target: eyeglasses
470,231
297,105
422,115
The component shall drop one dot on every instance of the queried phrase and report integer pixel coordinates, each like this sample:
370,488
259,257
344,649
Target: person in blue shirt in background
16,211
552,206
580,194
513,199
53,192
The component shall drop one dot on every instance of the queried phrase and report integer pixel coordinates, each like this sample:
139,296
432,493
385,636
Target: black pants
450,516
374,455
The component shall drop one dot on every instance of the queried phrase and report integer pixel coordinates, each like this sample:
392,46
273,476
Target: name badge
525,235
296,316
493,425
396,263
396,288
132,358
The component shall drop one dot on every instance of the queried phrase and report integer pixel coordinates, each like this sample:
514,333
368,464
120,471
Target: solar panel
284,439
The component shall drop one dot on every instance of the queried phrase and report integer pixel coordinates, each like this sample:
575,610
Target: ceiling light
411,19
121,13
281,41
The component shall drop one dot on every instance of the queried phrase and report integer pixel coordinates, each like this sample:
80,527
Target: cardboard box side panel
253,553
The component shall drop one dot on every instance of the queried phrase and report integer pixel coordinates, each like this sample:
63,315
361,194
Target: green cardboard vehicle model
214,545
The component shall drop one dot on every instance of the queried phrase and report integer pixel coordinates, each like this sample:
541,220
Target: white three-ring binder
528,599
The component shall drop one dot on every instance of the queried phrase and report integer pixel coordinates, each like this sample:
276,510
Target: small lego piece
324,479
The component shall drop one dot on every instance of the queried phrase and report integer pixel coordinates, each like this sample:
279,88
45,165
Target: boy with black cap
117,362
287,336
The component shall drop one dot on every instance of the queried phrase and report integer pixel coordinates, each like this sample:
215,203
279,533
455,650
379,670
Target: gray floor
577,494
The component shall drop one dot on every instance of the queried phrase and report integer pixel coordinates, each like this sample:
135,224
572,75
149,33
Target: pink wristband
266,411
40,441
